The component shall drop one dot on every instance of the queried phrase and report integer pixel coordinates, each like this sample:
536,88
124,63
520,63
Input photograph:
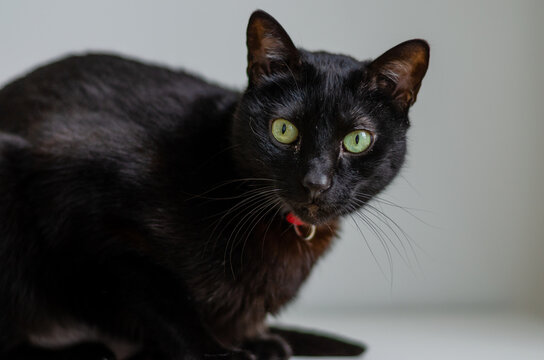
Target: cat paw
231,355
269,347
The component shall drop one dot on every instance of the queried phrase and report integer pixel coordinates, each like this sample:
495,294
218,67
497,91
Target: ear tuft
400,70
270,49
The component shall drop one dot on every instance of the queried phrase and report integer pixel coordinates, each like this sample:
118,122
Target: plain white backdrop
473,182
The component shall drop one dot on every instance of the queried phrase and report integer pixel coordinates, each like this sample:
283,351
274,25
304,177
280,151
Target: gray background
475,174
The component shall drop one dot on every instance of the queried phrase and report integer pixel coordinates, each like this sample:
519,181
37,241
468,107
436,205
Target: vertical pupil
283,128
357,139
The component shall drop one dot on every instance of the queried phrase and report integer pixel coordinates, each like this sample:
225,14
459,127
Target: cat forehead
331,74
335,85
326,85
330,67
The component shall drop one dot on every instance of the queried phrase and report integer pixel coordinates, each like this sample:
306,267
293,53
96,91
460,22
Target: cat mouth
310,214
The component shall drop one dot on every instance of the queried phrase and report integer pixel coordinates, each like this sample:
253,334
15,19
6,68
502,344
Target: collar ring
308,236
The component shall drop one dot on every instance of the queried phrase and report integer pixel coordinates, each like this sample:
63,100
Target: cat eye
284,131
357,141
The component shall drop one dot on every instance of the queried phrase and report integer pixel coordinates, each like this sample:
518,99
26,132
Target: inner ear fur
400,70
270,49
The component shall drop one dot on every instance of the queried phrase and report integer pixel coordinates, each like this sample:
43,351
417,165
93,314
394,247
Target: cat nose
316,183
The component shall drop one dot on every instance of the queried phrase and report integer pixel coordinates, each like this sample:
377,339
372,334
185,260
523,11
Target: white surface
475,154
431,336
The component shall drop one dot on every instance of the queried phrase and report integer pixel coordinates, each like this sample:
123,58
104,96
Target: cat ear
269,48
400,70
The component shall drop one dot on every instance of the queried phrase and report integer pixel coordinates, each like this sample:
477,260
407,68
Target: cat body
144,208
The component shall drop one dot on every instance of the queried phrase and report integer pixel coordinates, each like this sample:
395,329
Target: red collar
293,219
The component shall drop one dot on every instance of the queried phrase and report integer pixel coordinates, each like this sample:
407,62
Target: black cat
149,214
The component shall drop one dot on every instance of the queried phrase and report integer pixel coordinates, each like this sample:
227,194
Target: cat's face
327,129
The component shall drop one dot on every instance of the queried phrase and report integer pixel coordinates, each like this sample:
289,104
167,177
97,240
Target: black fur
148,205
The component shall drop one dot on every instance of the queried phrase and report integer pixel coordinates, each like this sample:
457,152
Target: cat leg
169,340
144,303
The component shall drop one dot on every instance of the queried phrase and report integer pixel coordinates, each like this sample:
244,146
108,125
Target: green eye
284,131
357,141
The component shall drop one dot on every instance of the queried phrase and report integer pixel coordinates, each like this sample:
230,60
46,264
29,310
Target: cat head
328,131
